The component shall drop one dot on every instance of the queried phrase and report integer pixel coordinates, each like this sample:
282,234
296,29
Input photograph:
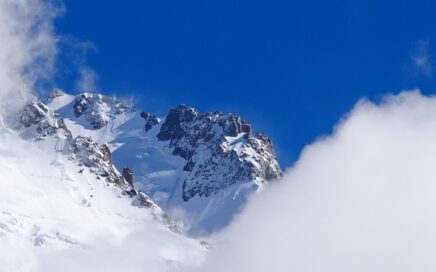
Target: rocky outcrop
47,122
150,120
219,150
97,158
55,94
143,200
98,109
128,175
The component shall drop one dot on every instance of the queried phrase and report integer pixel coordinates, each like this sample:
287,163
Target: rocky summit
219,150
97,109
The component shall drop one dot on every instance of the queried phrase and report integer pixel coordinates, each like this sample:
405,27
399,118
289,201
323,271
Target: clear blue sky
291,68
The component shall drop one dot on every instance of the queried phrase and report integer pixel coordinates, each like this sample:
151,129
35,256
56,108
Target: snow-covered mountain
63,187
62,202
198,167
39,123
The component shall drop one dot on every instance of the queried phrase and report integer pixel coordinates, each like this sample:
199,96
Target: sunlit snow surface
53,218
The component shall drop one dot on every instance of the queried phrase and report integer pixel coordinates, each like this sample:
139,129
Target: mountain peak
219,150
150,120
55,93
98,109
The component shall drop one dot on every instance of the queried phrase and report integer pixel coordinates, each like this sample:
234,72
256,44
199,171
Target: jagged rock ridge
46,121
98,109
220,150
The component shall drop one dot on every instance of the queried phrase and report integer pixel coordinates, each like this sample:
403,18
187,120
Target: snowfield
54,218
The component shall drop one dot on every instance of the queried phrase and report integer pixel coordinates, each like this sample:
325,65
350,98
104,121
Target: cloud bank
28,50
362,199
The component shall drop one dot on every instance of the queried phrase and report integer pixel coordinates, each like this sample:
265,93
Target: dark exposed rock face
173,128
150,120
33,114
140,199
128,175
47,122
55,94
232,125
97,158
220,150
143,200
98,109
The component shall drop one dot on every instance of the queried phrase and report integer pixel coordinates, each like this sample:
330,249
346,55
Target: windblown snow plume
27,49
362,199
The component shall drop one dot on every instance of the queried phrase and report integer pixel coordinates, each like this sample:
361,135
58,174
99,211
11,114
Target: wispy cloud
87,81
75,56
28,48
421,58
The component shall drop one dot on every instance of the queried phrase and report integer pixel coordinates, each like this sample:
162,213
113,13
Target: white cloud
87,81
27,50
422,59
75,55
362,199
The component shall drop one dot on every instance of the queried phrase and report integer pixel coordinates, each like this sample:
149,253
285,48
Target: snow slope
55,216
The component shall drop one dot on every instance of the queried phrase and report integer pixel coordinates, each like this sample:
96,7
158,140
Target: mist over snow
362,199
